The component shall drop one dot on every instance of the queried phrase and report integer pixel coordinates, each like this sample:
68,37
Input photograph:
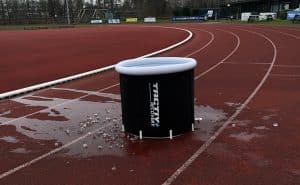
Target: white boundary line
228,56
51,152
101,90
89,73
283,75
186,164
14,170
283,33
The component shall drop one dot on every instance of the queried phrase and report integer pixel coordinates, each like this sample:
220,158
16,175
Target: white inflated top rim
155,65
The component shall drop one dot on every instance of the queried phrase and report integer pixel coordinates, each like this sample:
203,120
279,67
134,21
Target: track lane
262,147
51,95
135,150
77,144
59,53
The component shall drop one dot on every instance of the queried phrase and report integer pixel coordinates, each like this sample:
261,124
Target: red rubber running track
246,90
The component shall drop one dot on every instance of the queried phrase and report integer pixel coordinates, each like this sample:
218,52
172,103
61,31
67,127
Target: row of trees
59,11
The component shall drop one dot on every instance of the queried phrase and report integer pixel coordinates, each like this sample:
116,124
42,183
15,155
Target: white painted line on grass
186,164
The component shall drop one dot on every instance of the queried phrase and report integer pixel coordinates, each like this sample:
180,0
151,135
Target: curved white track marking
173,177
101,90
5,174
89,73
222,61
212,38
172,46
283,33
35,160
288,34
58,105
55,82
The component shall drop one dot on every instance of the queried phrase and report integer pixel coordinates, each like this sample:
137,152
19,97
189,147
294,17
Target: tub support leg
171,134
141,135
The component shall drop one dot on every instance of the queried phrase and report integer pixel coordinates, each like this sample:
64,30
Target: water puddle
211,120
20,151
245,136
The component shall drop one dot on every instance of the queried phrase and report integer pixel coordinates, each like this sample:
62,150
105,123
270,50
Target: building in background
235,7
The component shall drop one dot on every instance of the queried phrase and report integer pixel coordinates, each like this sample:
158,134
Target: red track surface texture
246,88
32,57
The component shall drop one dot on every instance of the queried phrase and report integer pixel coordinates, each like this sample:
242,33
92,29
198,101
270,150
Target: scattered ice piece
233,125
56,144
96,115
110,146
261,128
108,119
80,131
131,170
275,124
84,126
100,147
114,168
67,132
133,138
89,133
84,145
10,139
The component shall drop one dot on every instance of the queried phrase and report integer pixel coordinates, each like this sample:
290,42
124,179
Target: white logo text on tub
154,104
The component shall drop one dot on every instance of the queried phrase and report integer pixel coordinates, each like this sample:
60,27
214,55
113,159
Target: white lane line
288,66
93,72
5,174
58,105
186,164
35,160
70,101
241,63
286,34
278,65
108,95
283,75
75,90
212,38
276,30
224,59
